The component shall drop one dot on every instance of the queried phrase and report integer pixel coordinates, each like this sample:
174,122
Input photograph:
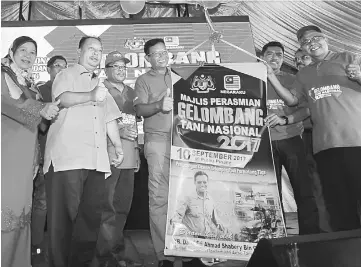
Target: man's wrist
285,118
118,146
359,79
271,76
158,106
91,97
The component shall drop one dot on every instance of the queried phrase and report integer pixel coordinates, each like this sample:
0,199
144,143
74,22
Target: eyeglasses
307,42
60,66
302,58
117,67
159,53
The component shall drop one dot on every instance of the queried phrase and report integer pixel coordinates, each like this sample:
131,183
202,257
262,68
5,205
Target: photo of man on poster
197,211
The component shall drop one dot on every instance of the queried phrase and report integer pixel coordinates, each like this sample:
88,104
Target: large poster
223,189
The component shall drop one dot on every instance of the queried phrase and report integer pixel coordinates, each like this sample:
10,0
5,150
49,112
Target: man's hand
269,68
137,162
167,102
120,156
272,120
128,132
50,111
353,70
98,94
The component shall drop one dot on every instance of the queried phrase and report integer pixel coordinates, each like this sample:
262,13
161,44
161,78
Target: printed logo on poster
203,84
136,43
232,85
232,82
171,40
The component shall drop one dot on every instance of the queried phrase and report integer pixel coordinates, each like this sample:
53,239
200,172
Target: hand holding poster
223,189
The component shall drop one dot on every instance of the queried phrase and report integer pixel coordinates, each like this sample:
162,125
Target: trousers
290,153
75,199
119,189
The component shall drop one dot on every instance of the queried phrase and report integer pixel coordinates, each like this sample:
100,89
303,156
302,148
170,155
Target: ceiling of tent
270,20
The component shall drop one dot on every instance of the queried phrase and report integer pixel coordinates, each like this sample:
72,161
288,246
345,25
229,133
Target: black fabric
340,174
119,193
291,154
75,200
313,172
339,249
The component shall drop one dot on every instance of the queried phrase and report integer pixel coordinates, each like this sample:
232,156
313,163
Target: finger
356,60
54,108
168,92
356,69
57,102
274,122
269,117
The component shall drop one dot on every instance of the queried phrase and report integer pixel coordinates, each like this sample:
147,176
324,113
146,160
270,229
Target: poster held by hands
223,195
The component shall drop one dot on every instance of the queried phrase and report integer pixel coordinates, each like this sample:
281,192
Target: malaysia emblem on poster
136,43
203,84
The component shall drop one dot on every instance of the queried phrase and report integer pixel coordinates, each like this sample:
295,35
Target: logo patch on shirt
275,104
324,91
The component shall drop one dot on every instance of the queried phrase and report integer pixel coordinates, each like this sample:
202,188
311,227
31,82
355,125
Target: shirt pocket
196,210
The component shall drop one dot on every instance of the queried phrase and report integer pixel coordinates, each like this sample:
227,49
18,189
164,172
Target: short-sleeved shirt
334,101
77,138
124,100
277,106
198,214
151,87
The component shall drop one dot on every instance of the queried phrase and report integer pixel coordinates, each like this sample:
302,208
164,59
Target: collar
329,55
205,196
82,70
280,73
109,84
156,72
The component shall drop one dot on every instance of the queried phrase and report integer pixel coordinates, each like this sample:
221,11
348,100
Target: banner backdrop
129,36
223,189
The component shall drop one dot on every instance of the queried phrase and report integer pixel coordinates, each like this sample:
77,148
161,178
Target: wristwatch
285,118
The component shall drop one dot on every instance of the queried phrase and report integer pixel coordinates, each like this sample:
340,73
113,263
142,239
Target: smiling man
198,211
120,185
302,59
76,161
153,101
331,86
288,150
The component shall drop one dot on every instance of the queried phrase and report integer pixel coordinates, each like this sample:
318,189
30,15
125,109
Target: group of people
91,151
325,96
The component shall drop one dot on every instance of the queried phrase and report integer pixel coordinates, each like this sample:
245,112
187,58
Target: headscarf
22,40
24,77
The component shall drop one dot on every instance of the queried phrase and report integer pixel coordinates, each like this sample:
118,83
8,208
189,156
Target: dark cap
305,29
22,40
115,56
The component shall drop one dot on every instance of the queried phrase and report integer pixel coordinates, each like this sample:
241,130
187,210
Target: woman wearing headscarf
21,113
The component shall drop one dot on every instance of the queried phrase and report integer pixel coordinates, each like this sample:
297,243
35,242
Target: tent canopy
270,20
